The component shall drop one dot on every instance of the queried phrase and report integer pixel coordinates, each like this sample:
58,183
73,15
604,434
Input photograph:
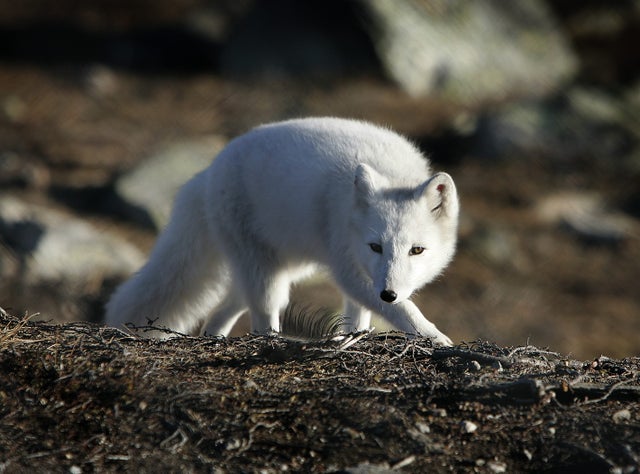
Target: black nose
388,295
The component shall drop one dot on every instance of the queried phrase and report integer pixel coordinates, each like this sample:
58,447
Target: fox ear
441,195
365,183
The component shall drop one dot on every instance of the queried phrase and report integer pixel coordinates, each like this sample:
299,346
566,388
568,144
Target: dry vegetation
85,398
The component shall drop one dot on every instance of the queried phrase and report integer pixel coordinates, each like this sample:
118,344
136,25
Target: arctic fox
283,200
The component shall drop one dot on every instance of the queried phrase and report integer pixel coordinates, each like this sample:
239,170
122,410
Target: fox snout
388,296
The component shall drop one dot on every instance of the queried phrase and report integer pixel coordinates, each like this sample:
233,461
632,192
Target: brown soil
84,398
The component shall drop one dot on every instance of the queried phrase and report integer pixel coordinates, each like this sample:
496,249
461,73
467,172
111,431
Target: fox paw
442,340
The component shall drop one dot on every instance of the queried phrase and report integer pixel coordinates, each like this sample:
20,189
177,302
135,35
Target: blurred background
533,106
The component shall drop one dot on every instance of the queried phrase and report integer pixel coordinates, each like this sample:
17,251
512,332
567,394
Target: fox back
283,199
317,183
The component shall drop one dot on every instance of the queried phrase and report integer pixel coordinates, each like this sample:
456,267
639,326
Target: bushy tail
307,324
184,277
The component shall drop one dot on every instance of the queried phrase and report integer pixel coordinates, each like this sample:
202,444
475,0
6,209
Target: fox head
404,237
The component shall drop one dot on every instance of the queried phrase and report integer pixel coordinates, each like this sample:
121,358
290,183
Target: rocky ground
81,398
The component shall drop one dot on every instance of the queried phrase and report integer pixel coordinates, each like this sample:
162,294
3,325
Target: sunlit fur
283,200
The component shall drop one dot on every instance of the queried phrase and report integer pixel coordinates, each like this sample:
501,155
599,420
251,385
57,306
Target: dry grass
9,332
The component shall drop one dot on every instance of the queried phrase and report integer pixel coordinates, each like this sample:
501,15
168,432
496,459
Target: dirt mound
84,398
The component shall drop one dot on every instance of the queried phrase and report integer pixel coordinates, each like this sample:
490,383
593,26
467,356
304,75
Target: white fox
283,200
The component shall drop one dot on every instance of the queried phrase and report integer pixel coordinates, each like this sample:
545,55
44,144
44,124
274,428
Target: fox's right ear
365,184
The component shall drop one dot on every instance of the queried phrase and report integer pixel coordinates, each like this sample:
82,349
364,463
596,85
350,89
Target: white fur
282,200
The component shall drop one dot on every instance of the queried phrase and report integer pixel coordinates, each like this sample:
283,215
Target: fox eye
416,250
377,248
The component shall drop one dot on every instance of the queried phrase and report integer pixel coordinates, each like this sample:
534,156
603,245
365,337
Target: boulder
582,124
49,246
587,217
145,194
471,52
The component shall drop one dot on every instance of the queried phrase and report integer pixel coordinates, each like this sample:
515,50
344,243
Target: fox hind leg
225,316
266,301
262,285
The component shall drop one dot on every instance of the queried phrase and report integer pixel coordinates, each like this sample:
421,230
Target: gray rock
587,217
622,415
469,52
582,124
50,246
146,193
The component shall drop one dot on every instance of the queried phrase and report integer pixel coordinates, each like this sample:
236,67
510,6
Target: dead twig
440,353
596,393
9,333
532,350
169,442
